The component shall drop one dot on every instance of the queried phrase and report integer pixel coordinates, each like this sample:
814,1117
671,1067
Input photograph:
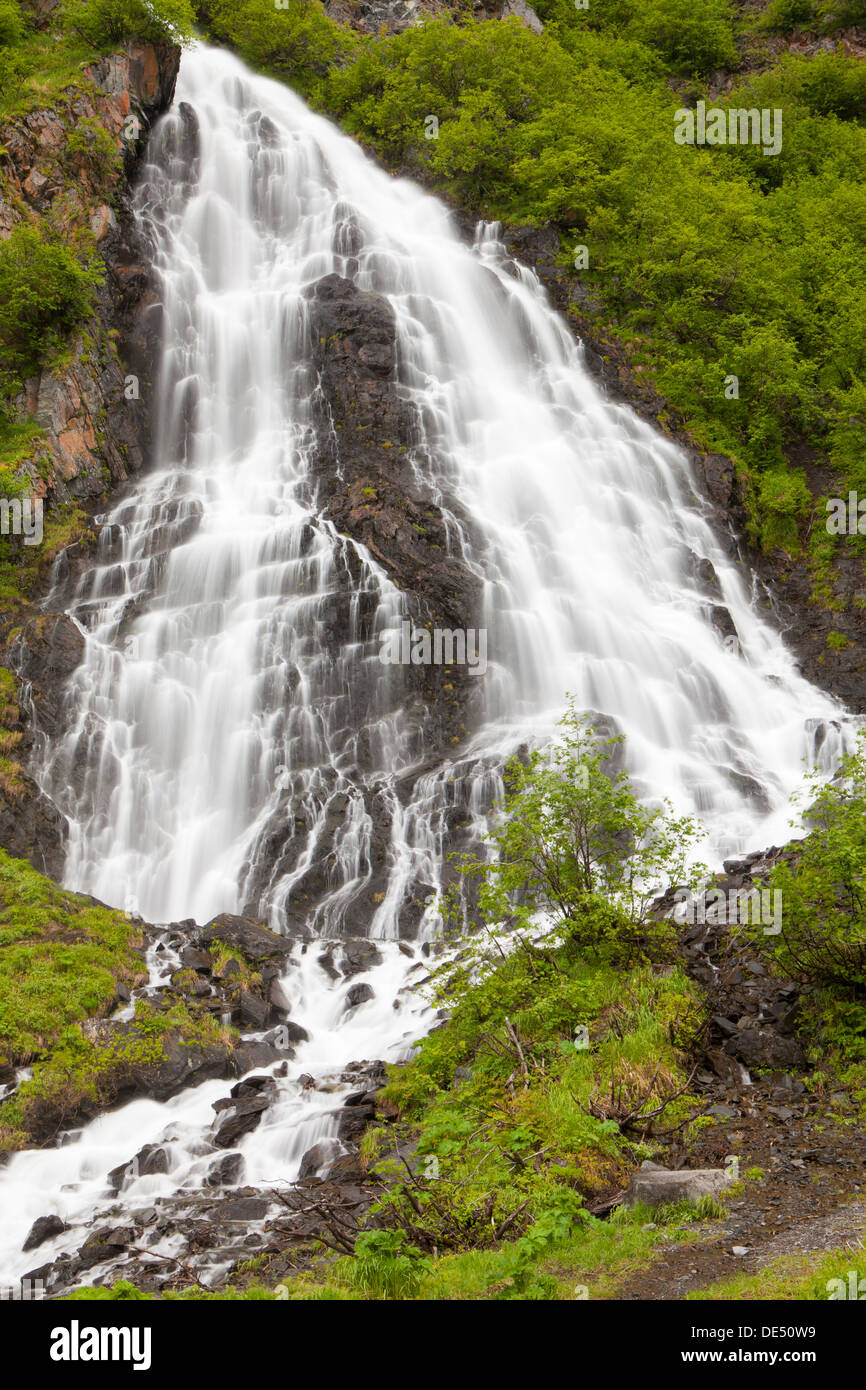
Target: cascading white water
214,697
211,689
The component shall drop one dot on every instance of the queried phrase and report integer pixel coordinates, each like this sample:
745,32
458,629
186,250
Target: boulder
654,1186
359,994
226,1171
254,941
153,1158
765,1048
244,1116
318,1159
358,956
43,1228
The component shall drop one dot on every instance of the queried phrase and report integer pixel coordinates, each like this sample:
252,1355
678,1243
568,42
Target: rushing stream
214,699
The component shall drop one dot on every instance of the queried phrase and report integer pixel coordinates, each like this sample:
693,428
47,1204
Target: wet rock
252,1085
359,956
359,994
153,1158
105,1244
758,1048
317,1159
724,1025
248,1055
278,996
244,1117
354,1119
226,1171
244,1209
255,1013
288,1032
43,1228
194,958
369,485
255,942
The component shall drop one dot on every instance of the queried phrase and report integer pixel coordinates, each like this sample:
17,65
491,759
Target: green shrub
297,42
784,501
784,15
12,26
693,37
823,920
106,23
45,292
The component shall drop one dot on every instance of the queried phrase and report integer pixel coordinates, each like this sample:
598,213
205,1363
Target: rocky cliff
68,165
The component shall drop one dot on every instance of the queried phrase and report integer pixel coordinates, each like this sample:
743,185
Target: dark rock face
354,350
226,1171
105,1244
183,1064
31,827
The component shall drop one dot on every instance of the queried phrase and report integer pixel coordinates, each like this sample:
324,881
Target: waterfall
232,695
213,703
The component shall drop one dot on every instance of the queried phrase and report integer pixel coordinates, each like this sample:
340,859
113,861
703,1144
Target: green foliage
45,292
692,38
576,853
823,933
12,24
106,23
60,958
386,1266
91,145
297,42
785,500
784,15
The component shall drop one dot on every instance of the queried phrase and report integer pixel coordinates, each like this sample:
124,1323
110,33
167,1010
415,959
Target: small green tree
45,292
574,851
823,886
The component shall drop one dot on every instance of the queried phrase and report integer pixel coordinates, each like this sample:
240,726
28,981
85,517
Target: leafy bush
44,293
823,934
12,25
693,38
784,501
297,41
106,23
785,15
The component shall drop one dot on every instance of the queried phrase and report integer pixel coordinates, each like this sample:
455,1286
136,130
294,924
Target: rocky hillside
80,426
